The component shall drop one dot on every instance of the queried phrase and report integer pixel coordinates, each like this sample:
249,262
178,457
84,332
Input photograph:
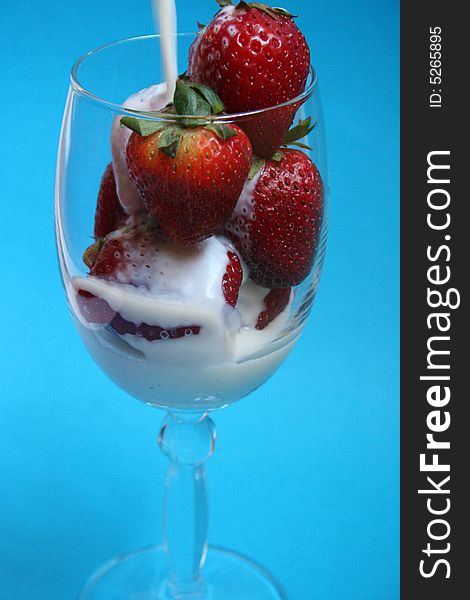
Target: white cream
160,377
152,98
244,205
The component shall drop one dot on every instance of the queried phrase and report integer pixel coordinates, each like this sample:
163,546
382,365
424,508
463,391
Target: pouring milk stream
164,13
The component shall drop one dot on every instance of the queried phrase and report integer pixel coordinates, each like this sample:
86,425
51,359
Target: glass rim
158,116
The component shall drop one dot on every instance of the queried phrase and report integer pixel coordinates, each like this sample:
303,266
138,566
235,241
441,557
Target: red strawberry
193,194
232,279
126,255
153,332
109,214
143,256
277,221
189,174
275,302
253,57
96,310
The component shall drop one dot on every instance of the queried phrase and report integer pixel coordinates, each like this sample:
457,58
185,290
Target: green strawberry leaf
284,13
302,129
169,140
169,109
223,3
143,127
216,104
200,25
277,156
193,122
195,99
300,145
91,253
224,132
188,102
256,165
271,11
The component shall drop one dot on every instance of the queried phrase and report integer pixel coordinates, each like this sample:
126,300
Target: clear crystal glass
183,566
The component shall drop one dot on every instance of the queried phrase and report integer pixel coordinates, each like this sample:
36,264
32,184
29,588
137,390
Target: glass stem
188,441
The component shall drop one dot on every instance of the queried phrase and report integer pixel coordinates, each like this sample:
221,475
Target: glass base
141,575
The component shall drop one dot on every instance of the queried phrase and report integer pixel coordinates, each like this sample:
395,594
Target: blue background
305,477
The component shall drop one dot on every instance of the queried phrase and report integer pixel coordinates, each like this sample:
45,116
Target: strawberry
275,302
96,310
253,57
190,172
109,214
126,255
277,221
193,193
142,255
153,332
232,279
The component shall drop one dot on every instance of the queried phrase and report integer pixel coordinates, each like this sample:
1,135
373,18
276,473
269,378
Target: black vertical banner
435,268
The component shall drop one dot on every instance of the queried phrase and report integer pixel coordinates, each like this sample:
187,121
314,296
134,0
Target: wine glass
188,384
